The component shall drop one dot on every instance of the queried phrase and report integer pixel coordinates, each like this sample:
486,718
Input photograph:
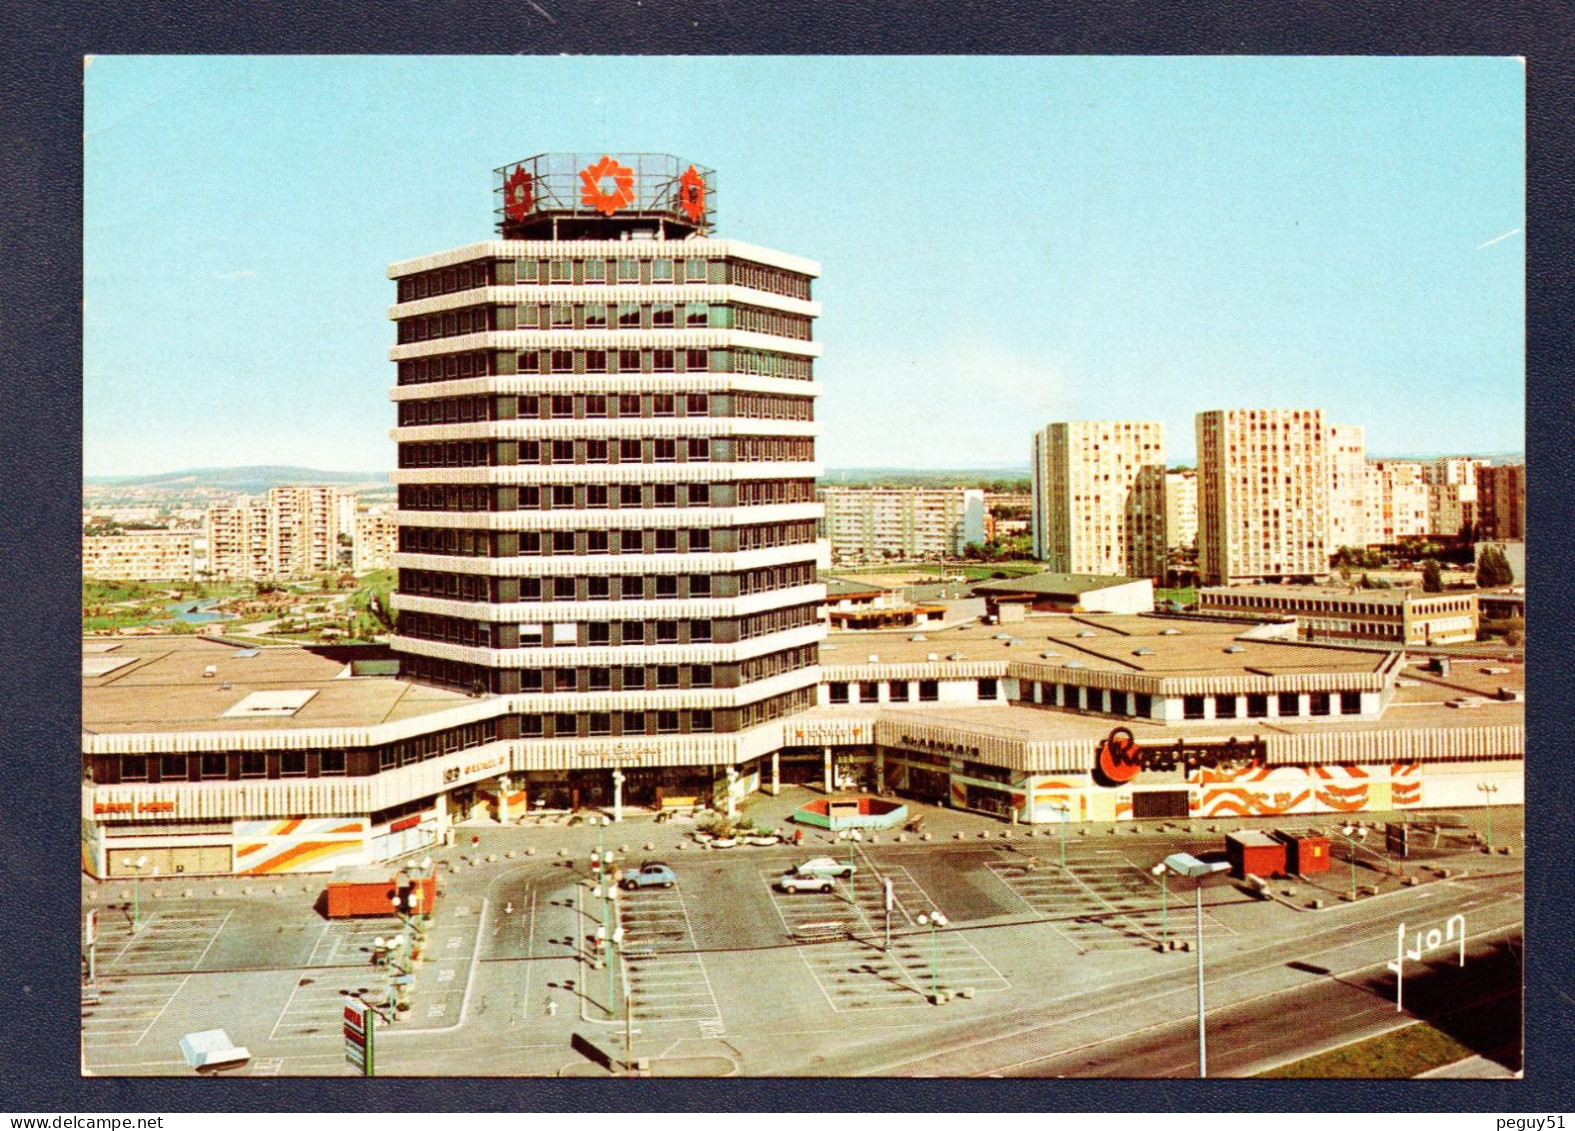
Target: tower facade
606,458
1263,495
1099,497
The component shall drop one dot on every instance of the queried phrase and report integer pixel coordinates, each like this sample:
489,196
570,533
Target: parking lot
1107,904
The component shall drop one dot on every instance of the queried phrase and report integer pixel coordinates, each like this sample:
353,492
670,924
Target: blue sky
1004,242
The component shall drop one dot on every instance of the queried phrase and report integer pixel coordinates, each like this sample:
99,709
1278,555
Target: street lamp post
1352,834
732,778
1185,864
1164,903
1066,811
1488,790
934,920
139,863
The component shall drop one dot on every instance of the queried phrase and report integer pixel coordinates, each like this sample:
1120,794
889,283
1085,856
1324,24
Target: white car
825,866
795,881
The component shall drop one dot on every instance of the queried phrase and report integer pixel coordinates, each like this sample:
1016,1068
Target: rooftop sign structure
591,195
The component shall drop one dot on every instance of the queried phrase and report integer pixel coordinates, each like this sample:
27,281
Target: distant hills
242,480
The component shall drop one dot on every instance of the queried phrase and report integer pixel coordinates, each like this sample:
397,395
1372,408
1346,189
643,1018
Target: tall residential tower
606,458
1099,497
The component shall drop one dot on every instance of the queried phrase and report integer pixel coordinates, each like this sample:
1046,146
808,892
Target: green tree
1493,569
1432,577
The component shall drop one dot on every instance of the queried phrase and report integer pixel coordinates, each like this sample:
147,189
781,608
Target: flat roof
1056,584
1163,646
168,689
1392,596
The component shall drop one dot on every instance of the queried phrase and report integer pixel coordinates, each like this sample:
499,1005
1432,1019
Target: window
1318,703
253,764
133,768
1290,704
565,726
1257,706
897,691
172,767
694,271
629,494
700,722
661,270
1350,702
667,722
667,632
596,271
929,691
701,675
663,404
666,677
869,692
666,587
697,404
666,495
331,762
1192,706
1224,706
629,403
697,315
634,722
217,765
662,316
839,692
700,541
600,723
633,678
292,764
628,270
667,541
628,319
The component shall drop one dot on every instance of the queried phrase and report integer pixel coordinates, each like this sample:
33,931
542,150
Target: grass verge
1399,1055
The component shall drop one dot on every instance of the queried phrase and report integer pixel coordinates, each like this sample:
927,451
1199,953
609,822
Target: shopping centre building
608,597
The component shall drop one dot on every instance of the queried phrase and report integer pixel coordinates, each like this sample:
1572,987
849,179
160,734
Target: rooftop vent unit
934,657
918,637
1234,648
1050,655
954,656
1087,634
1142,651
873,660
1075,664
1170,632
1003,636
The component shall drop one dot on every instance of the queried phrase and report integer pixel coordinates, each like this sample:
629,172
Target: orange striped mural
302,856
298,844
1406,784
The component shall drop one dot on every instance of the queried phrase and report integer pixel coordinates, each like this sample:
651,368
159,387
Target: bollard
492,858
649,846
563,852
531,851
925,836
957,836
899,838
510,854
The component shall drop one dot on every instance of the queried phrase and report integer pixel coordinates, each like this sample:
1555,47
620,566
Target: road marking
166,1005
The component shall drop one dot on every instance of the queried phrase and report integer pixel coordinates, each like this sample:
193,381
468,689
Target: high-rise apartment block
240,542
309,526
903,523
1263,495
1501,502
375,541
606,459
1396,502
1347,486
1099,497
1181,509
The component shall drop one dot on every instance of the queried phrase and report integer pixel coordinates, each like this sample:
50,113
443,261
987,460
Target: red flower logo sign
1118,760
691,194
518,194
594,195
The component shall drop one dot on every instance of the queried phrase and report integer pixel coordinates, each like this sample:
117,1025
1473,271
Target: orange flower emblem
691,194
518,194
593,194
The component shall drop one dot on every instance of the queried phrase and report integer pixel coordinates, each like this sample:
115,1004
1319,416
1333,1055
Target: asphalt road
1060,969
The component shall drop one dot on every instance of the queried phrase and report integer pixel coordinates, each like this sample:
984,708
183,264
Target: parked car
825,866
649,876
795,881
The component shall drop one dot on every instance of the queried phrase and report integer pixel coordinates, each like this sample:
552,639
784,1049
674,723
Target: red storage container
362,891
1255,854
1305,853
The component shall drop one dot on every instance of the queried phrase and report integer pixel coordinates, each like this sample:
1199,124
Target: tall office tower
306,525
1396,502
1181,509
1501,502
1099,497
606,459
1263,495
1347,486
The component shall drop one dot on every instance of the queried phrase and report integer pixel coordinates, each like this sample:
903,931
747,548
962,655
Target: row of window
580,271
897,691
480,363
510,544
608,316
658,587
446,280
1288,704
546,453
778,620
595,496
603,406
234,765
592,634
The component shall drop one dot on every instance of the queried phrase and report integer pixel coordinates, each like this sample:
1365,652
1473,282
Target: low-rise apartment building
1396,617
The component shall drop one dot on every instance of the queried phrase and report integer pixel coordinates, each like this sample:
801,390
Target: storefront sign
1118,758
820,734
622,752
100,808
